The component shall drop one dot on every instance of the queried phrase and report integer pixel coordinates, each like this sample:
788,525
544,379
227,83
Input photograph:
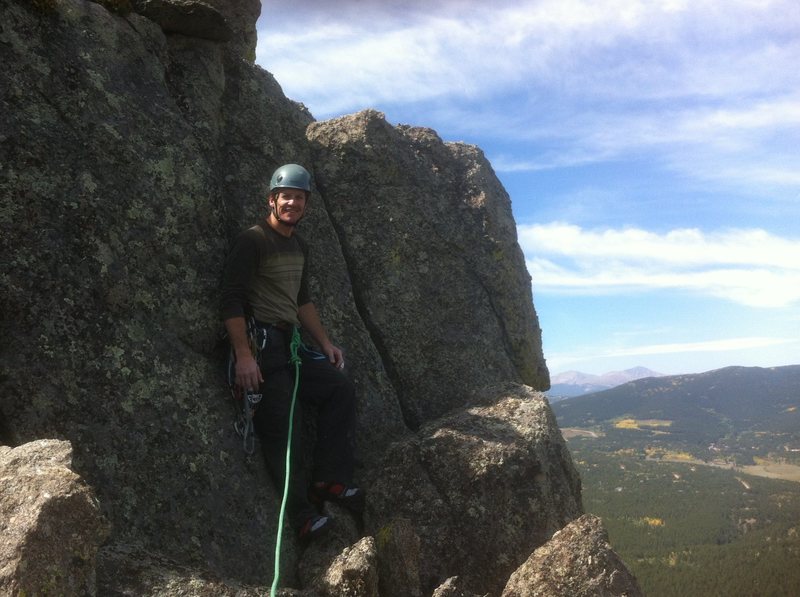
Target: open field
788,472
770,470
763,467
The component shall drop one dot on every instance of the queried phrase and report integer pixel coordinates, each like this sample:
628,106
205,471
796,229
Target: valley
690,528
697,478
771,469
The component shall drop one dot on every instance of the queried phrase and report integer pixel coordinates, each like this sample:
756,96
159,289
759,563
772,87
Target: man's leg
272,424
333,395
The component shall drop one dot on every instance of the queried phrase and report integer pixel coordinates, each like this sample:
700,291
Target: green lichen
162,170
45,346
140,212
115,353
104,256
384,534
107,462
145,298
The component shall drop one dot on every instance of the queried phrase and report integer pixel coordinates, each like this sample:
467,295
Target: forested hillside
677,468
734,414
696,530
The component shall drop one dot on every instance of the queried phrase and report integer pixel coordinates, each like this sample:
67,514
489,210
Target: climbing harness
295,360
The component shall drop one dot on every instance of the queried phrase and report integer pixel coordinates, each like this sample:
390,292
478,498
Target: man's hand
248,373
335,355
309,319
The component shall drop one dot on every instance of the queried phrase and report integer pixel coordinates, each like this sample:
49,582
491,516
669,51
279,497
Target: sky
651,150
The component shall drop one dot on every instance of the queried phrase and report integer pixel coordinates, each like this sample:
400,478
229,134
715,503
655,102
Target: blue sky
651,150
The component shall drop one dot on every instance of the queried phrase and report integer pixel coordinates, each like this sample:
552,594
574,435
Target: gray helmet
290,176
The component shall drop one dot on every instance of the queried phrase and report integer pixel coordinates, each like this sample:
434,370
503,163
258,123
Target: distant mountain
576,383
720,403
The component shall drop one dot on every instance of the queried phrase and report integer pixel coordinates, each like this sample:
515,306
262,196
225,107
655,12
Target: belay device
246,400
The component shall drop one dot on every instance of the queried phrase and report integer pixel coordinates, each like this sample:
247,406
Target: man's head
289,190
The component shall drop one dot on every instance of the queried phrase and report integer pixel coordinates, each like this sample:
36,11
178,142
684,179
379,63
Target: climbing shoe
351,498
314,526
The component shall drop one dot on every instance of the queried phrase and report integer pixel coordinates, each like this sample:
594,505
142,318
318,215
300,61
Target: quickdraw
247,400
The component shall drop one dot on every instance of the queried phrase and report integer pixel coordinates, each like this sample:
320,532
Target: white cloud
750,267
708,87
750,143
727,344
690,356
719,345
614,48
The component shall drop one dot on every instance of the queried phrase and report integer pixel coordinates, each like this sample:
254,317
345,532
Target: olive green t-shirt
266,274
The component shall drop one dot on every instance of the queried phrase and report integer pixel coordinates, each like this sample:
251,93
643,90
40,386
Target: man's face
289,205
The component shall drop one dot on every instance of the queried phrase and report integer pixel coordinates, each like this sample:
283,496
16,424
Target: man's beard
284,222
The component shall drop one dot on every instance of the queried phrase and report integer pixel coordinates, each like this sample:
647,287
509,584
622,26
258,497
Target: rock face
218,20
113,236
578,561
439,311
190,18
131,151
50,523
354,572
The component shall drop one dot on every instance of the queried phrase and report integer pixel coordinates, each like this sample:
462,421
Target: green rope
294,360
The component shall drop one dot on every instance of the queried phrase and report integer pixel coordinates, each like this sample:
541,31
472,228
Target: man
266,276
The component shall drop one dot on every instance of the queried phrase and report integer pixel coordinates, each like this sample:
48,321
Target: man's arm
248,373
239,267
309,319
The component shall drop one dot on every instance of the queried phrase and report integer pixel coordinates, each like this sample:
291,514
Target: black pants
324,390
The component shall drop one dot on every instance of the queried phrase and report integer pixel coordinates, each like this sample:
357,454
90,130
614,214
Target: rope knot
294,346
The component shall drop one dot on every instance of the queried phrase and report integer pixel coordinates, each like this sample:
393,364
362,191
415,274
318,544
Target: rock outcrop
132,149
439,311
483,487
578,561
50,523
186,17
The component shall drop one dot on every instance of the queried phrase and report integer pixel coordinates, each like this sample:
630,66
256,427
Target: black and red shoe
314,526
351,498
